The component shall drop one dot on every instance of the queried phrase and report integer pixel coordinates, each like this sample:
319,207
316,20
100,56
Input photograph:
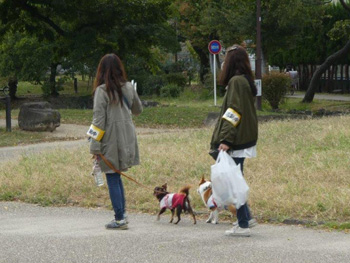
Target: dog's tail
185,190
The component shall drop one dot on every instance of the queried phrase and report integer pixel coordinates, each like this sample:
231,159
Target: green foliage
24,56
324,31
340,30
275,86
153,84
77,36
170,90
176,78
174,67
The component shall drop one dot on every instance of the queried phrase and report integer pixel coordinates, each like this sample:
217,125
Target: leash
110,165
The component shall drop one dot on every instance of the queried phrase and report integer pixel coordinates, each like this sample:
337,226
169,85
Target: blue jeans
116,194
243,213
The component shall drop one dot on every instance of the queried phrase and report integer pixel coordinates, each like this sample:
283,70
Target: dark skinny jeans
243,213
116,194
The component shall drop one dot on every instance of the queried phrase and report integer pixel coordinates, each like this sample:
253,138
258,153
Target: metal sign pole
214,57
214,48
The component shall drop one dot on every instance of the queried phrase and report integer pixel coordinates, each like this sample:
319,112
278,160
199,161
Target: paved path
34,234
335,97
76,135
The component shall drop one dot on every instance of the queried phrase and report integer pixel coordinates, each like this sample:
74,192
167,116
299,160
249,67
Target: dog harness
171,201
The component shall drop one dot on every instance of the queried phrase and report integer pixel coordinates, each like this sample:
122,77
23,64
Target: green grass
301,172
28,88
185,112
296,104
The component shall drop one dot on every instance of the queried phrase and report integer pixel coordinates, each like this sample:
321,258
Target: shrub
174,67
274,88
148,84
170,90
3,81
176,78
153,84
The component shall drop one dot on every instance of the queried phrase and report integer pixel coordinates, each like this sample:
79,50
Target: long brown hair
111,72
237,63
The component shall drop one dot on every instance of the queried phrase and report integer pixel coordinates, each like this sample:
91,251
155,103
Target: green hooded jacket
237,125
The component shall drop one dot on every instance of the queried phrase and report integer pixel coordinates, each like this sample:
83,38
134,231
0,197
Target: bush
148,84
153,84
170,90
176,78
174,67
3,81
274,88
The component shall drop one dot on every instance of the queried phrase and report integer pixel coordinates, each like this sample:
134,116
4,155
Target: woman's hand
95,157
223,147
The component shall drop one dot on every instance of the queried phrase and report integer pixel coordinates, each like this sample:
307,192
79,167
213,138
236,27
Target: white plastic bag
228,184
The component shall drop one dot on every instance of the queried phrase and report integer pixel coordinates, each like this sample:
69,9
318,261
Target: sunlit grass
302,172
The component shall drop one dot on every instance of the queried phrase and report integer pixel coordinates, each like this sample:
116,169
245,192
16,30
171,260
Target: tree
203,21
23,57
79,34
287,30
310,93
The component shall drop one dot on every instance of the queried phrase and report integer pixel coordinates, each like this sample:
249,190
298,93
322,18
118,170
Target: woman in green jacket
112,130
236,131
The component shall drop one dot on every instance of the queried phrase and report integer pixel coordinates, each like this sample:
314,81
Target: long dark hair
237,63
110,71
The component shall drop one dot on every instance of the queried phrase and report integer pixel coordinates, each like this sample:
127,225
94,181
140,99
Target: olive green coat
119,142
241,131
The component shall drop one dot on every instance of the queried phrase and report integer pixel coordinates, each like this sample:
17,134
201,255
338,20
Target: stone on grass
38,116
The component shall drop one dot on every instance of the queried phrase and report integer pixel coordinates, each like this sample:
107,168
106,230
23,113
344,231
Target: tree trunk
331,79
53,73
341,78
204,62
328,81
310,93
335,78
347,86
300,82
12,83
323,83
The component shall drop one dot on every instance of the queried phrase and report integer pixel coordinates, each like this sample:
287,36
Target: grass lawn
183,112
301,172
28,88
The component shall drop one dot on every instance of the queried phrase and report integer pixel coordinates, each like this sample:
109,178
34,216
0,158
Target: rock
38,116
146,103
211,119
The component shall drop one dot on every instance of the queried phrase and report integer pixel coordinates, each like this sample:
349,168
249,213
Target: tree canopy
79,33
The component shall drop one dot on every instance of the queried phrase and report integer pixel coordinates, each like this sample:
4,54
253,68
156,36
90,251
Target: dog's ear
202,181
165,186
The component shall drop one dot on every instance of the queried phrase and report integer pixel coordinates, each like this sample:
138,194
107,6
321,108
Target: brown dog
173,201
205,191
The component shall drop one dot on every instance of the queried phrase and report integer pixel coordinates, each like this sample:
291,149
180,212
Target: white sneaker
238,231
252,223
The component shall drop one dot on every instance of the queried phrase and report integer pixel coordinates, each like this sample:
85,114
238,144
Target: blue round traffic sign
214,47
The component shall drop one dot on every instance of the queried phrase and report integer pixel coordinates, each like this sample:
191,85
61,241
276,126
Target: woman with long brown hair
236,131
112,129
